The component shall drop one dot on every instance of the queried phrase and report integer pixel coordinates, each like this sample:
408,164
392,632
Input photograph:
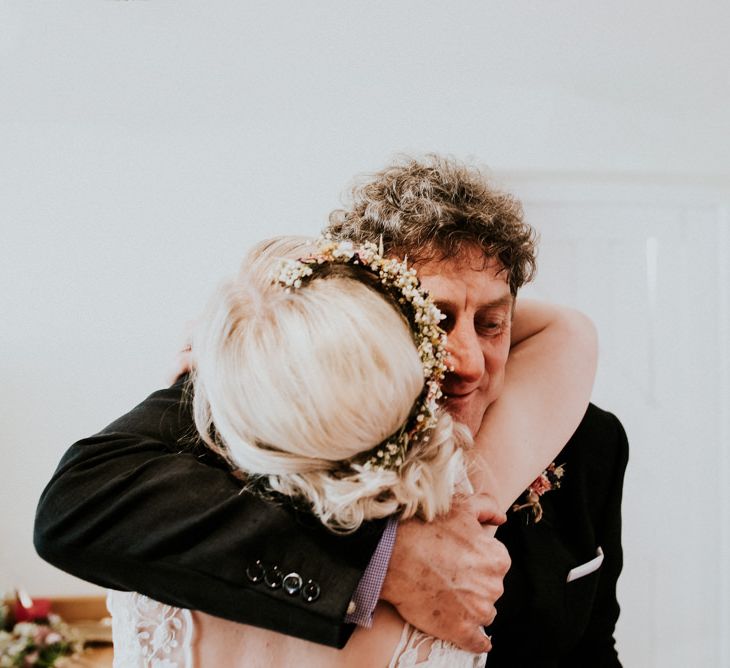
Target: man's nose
465,355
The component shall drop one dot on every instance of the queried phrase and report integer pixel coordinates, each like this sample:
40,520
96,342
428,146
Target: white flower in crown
423,316
292,272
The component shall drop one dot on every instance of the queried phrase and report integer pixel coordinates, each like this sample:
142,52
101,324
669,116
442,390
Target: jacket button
255,572
273,577
310,591
293,584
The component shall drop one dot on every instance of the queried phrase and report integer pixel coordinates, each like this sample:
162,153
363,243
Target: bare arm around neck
548,384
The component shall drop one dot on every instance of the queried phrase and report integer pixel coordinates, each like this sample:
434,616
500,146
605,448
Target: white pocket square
584,569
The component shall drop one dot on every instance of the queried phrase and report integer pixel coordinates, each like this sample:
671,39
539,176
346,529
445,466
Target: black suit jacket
142,506
541,617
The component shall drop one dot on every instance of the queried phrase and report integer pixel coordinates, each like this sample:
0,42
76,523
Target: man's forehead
471,264
466,263
468,257
485,283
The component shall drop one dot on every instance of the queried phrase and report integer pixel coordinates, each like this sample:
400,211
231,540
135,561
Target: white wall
645,262
145,144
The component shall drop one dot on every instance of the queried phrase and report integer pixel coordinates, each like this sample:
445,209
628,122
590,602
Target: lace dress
148,634
419,649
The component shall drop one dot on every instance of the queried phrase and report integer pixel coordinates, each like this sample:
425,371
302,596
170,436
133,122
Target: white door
649,264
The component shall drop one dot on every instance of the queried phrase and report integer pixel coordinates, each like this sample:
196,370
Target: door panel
650,268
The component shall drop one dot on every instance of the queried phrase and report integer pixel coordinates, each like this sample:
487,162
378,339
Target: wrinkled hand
183,364
445,576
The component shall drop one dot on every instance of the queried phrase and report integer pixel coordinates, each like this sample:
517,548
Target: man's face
477,303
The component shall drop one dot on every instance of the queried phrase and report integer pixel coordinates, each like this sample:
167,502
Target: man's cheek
503,355
496,381
497,361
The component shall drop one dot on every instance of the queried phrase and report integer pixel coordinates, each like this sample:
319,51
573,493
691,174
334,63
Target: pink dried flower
541,485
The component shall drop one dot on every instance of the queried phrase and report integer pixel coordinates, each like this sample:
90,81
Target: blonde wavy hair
291,386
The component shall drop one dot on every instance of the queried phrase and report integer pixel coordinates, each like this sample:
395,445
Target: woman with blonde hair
317,377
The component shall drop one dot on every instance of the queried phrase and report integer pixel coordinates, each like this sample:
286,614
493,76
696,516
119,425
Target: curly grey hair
434,208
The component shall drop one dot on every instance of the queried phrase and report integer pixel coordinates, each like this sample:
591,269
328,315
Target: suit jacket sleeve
597,645
142,506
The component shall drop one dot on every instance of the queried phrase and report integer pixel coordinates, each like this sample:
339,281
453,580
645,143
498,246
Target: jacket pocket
580,593
587,568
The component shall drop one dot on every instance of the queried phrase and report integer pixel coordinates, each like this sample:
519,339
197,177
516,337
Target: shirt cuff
362,606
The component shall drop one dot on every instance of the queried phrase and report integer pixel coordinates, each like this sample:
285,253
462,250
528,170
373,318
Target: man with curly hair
473,251
441,214
447,219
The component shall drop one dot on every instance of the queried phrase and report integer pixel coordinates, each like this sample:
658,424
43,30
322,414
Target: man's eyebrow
506,300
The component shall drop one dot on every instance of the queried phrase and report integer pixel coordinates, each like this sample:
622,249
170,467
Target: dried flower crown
423,317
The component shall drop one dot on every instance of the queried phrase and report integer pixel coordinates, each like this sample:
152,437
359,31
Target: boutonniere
549,479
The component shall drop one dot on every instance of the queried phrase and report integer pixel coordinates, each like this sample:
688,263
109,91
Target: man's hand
183,364
445,576
184,360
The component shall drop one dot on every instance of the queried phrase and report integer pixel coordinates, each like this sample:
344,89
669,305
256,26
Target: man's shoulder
598,431
599,448
599,423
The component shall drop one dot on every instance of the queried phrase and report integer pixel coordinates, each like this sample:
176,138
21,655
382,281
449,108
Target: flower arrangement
548,480
43,643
